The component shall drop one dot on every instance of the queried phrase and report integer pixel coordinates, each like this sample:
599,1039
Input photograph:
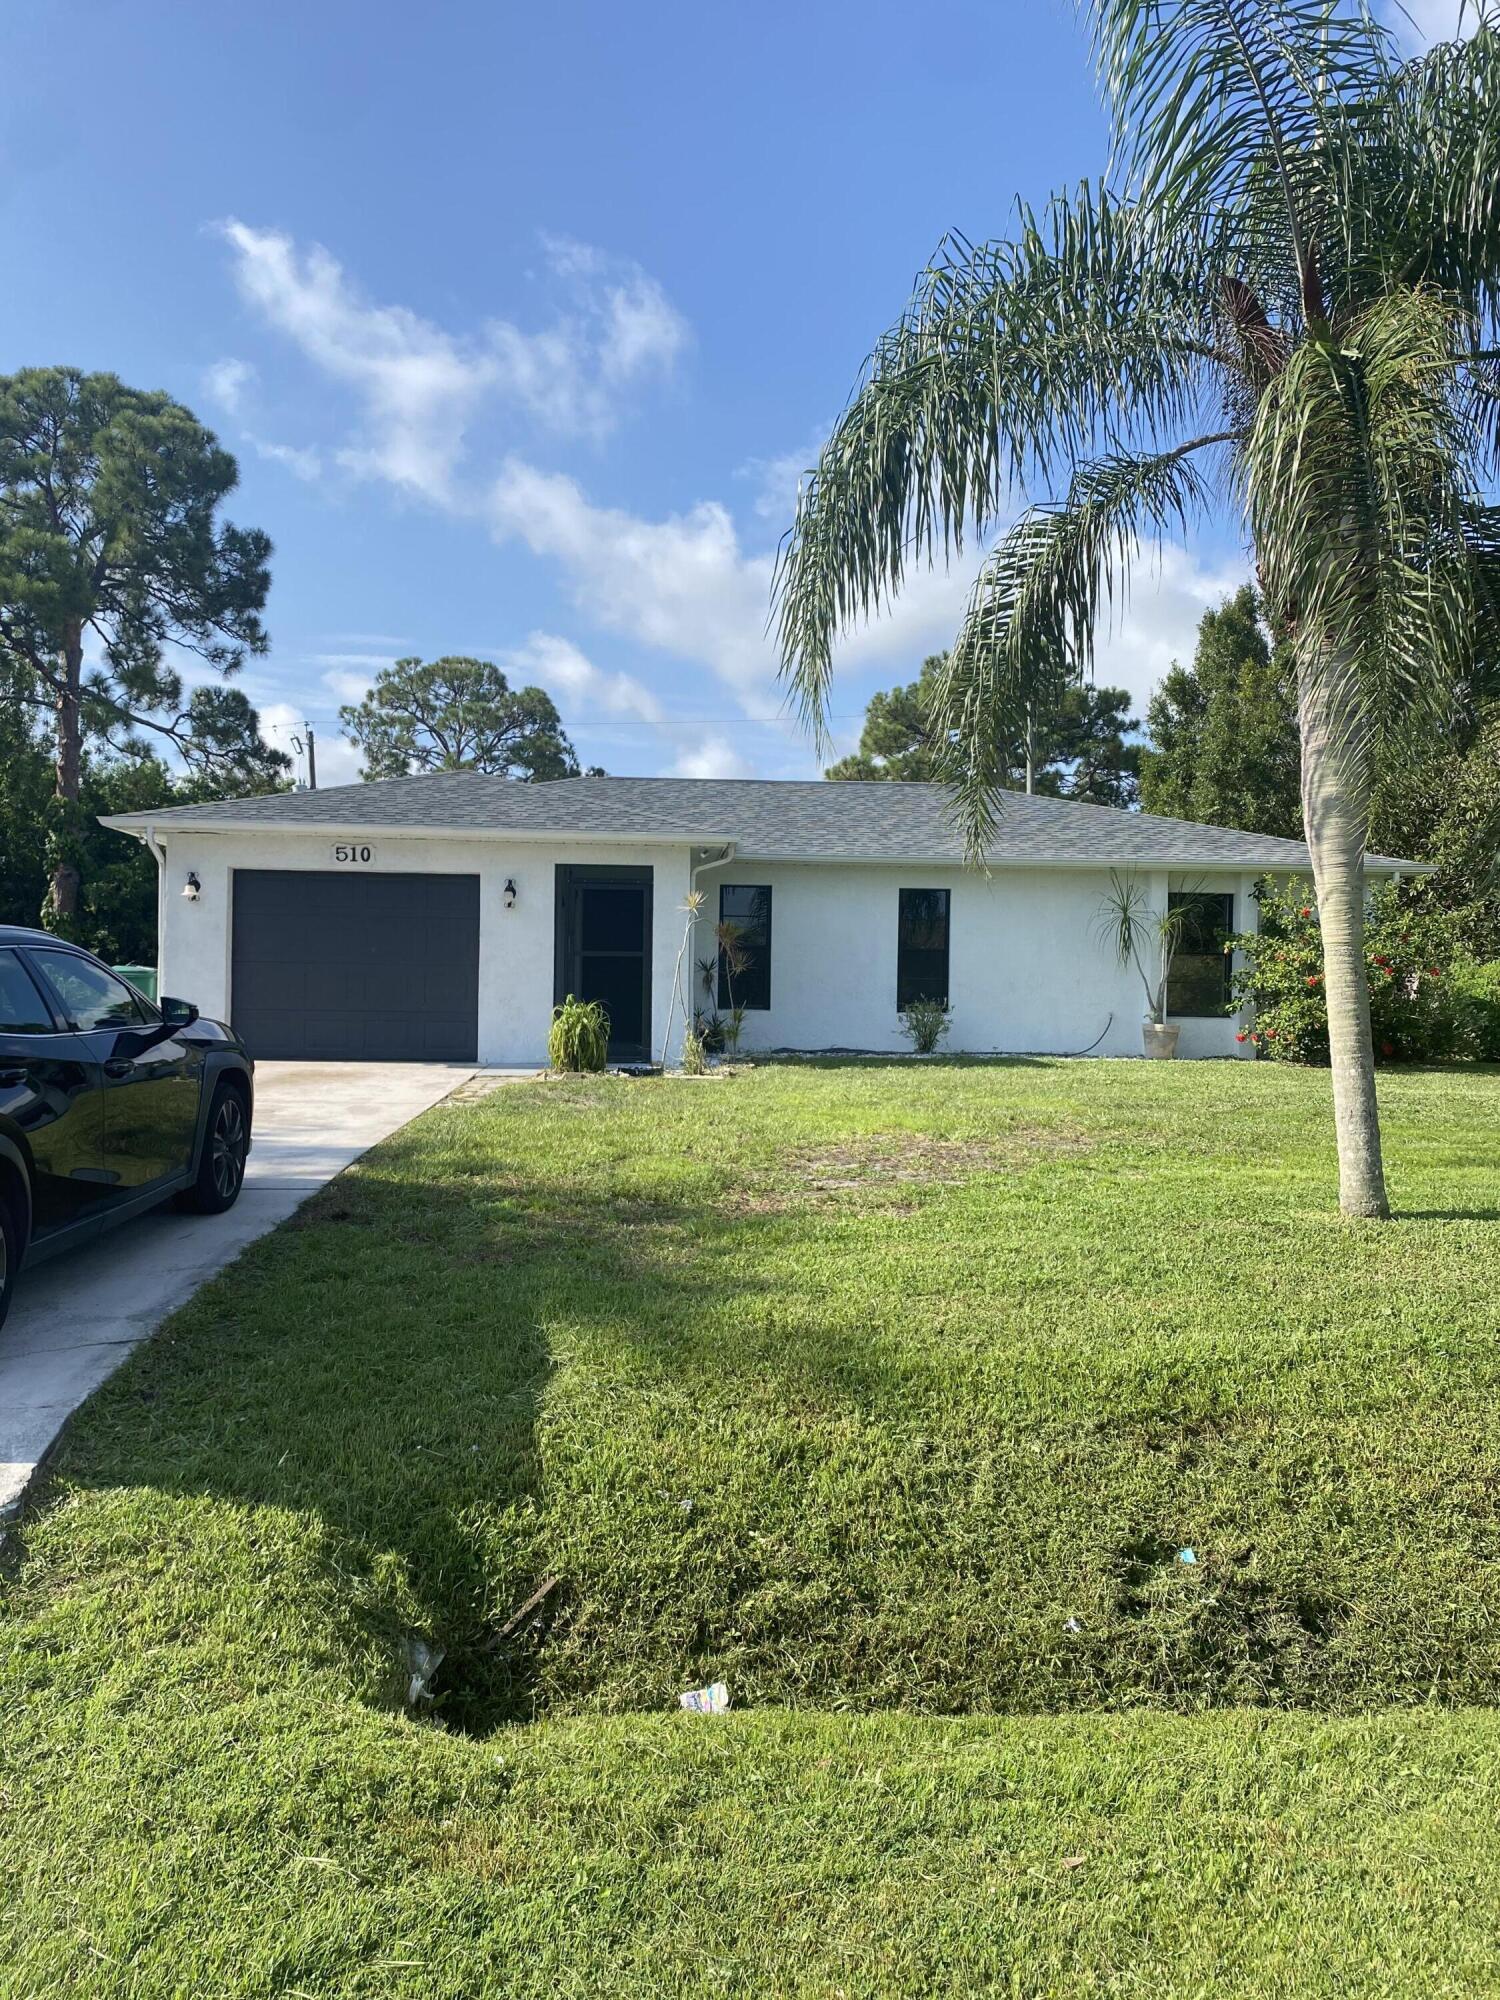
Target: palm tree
1287,305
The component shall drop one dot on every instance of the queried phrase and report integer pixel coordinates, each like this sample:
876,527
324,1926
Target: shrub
1475,998
694,1060
1409,950
709,1028
925,1023
579,1038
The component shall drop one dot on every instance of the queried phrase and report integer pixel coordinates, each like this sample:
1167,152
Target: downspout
715,861
712,861
158,848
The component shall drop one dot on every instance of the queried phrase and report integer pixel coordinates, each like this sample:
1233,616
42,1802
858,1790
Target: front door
604,951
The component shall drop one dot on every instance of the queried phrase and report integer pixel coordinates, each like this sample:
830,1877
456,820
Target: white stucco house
440,918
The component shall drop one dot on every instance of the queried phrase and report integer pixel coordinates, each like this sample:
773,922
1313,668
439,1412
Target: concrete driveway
74,1320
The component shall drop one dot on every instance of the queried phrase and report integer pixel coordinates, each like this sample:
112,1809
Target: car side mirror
178,1013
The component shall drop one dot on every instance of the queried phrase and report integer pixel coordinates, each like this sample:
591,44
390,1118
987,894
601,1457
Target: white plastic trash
712,1700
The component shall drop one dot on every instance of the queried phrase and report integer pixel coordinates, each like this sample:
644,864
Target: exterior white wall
516,959
1027,970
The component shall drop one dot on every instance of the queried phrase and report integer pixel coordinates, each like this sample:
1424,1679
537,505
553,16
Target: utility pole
312,759
1028,746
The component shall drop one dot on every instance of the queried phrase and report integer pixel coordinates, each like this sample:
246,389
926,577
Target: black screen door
604,950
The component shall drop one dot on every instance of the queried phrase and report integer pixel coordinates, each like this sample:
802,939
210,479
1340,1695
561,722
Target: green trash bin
141,977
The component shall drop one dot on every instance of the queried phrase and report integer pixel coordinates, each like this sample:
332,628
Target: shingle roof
767,819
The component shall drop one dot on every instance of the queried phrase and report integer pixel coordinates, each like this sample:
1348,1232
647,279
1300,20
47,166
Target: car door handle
10,1077
118,1066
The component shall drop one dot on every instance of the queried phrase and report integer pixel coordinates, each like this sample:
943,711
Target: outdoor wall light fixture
510,894
192,888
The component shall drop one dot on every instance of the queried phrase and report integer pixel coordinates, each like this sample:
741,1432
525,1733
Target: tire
10,1255
221,1165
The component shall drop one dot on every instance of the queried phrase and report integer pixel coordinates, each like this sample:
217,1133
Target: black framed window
922,947
744,946
1200,981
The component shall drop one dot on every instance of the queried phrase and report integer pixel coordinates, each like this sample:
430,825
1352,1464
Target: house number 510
353,854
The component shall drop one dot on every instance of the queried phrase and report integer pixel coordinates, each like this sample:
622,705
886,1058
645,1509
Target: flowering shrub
1409,955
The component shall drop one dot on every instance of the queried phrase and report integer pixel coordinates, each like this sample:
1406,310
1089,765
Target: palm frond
1361,516
1210,96
1032,615
1421,200
1013,360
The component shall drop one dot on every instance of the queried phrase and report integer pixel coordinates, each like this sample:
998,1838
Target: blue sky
522,320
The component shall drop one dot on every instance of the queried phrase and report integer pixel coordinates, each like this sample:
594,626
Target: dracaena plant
1142,937
1284,304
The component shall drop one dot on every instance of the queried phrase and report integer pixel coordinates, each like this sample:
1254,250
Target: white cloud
777,480
347,686
1159,622
684,584
561,668
641,329
303,460
226,381
714,757
421,386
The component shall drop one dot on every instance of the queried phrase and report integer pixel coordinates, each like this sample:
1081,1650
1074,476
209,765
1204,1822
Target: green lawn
889,1395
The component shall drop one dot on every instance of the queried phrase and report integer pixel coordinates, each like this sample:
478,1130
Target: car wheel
221,1166
10,1256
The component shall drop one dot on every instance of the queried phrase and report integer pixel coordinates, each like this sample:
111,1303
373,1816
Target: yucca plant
579,1036
1286,303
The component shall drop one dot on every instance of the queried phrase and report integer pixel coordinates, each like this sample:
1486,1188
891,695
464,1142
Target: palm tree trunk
1335,789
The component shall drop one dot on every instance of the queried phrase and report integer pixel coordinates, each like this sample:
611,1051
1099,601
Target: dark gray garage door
368,968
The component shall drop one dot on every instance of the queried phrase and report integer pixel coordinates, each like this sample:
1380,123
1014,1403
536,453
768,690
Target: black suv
108,1103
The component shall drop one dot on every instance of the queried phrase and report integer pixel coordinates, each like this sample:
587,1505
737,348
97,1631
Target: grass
889,1395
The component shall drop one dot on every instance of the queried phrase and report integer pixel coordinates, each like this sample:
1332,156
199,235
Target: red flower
1240,1036
1387,1048
1313,978
1433,972
1304,913
1270,1034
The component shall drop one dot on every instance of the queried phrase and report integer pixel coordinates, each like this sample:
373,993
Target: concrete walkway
74,1320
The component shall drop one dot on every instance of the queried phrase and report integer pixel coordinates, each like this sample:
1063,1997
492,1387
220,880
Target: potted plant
1142,937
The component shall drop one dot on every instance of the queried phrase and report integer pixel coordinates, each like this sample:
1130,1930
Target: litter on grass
712,1700
422,1663
1072,1626
1187,1555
